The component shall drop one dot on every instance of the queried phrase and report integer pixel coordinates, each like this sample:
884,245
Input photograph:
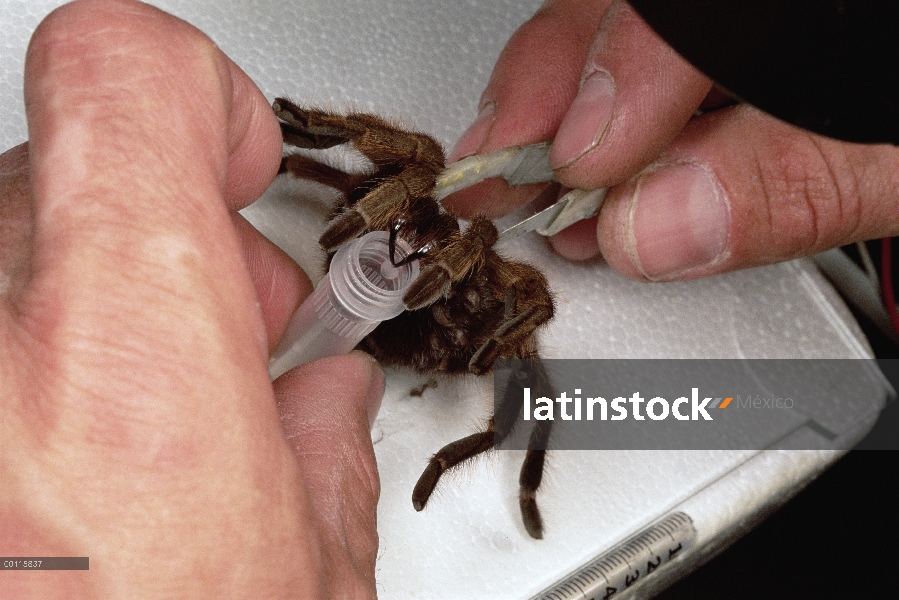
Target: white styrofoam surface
426,63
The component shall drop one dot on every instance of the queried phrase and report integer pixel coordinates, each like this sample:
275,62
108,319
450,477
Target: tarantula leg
380,141
342,228
457,452
377,209
511,332
532,374
312,128
446,458
304,167
462,255
530,478
530,291
316,142
433,282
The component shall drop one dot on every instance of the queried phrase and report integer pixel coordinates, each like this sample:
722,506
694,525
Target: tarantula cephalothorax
468,307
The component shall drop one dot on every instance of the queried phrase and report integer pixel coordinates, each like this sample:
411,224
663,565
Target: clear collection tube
362,288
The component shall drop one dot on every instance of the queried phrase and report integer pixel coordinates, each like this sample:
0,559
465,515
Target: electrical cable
886,278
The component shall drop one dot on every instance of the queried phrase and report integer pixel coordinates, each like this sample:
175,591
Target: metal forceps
520,165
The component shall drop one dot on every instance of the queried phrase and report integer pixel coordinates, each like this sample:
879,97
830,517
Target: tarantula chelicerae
468,307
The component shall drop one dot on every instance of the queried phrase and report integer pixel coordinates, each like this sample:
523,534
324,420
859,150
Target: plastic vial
362,288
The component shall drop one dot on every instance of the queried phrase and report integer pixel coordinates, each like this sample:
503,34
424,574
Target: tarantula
468,307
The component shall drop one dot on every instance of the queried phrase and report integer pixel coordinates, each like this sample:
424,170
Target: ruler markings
628,563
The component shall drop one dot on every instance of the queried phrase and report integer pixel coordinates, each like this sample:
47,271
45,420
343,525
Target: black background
829,66
836,539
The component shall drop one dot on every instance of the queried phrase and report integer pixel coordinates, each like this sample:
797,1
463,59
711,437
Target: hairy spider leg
462,254
406,167
531,373
454,453
374,200
530,478
528,305
377,209
304,167
498,428
377,139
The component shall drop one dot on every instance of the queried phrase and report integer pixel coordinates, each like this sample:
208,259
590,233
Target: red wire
886,281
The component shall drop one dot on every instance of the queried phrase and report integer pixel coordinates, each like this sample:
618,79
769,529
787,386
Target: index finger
156,108
533,83
596,79
636,94
139,128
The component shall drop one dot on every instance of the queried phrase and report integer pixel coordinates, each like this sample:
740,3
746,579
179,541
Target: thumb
326,420
741,189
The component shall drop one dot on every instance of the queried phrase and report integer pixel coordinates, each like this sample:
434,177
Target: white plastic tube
362,288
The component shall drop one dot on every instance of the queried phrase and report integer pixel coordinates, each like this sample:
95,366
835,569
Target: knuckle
812,193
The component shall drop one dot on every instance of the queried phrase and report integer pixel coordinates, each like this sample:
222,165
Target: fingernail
476,134
375,393
678,220
586,121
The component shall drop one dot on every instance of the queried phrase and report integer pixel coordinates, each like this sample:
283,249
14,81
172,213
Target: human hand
137,314
691,196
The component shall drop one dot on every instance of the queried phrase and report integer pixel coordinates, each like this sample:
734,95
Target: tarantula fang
469,306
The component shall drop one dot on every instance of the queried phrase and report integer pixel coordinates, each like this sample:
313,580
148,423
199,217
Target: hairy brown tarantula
468,307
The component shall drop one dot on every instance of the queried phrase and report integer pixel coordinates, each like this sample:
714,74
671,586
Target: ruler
632,561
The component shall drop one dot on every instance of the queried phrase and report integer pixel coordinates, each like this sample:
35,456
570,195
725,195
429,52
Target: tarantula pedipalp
468,307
